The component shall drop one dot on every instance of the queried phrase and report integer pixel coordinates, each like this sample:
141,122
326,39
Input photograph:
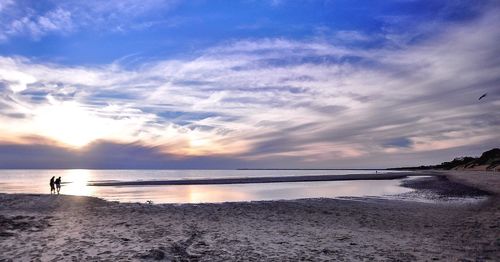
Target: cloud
398,142
23,18
32,24
349,36
266,101
5,4
101,155
58,20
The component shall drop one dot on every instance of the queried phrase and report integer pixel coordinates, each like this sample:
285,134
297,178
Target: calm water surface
75,183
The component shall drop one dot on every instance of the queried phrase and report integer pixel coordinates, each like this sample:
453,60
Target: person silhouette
52,187
58,184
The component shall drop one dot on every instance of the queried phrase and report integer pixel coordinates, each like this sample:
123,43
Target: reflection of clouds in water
326,189
175,194
250,192
367,188
199,194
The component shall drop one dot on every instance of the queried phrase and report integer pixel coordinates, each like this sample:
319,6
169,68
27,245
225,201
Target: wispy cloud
301,102
18,18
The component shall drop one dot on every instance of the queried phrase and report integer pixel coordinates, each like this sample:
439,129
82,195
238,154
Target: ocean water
75,182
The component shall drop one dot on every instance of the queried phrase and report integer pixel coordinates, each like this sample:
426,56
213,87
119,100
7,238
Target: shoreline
258,180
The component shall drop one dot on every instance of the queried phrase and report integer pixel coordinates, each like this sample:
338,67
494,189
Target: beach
37,227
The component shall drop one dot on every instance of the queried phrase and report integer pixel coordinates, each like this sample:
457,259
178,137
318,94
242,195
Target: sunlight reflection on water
77,182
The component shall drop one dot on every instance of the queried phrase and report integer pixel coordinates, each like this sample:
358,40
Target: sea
76,182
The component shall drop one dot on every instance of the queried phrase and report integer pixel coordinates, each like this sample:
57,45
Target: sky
247,84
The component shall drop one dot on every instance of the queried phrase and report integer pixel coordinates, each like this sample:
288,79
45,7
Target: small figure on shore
52,187
58,184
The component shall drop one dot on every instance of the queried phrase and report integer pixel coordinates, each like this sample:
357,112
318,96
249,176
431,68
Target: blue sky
225,84
165,29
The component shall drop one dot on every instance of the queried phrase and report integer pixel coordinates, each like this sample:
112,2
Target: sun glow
70,123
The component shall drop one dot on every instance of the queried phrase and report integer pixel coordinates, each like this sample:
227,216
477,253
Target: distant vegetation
489,160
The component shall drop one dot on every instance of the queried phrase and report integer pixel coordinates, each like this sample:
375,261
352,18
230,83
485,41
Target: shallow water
75,183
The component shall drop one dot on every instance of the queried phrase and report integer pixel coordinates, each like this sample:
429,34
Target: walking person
58,184
52,186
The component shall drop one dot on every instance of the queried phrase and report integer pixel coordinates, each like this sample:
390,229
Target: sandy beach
73,228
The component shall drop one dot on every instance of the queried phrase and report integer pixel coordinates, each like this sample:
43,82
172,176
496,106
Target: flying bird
481,97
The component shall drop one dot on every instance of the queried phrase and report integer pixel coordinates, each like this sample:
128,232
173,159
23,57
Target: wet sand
45,228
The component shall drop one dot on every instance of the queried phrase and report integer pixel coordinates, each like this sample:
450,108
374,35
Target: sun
70,123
